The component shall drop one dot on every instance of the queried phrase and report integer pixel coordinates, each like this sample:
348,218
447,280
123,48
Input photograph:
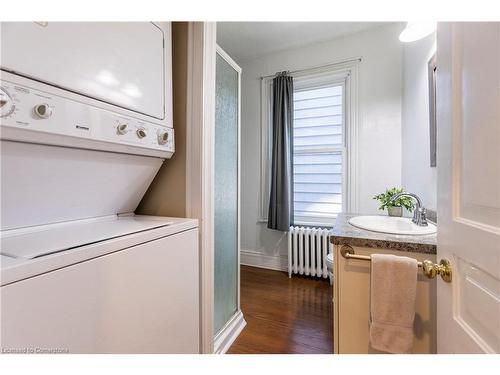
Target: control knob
6,103
163,138
141,133
43,110
121,129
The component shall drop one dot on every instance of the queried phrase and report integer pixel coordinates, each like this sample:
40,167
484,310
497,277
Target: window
318,147
324,144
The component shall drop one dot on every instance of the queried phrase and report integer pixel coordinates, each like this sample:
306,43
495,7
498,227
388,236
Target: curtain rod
316,67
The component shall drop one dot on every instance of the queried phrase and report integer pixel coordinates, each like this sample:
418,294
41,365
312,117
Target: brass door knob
431,269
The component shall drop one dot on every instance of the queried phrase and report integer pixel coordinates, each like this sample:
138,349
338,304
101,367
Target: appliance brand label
43,96
21,89
82,127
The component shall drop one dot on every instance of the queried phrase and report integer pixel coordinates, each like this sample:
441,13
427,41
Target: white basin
391,224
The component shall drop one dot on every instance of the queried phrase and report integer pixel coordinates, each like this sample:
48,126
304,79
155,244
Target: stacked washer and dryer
86,123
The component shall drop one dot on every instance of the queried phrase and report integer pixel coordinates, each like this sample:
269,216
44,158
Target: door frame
200,163
200,134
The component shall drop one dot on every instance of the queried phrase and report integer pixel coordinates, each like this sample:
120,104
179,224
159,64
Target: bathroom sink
392,225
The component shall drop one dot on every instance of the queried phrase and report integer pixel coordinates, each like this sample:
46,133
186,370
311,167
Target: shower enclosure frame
230,331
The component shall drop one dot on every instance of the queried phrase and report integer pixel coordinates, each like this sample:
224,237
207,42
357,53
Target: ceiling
249,40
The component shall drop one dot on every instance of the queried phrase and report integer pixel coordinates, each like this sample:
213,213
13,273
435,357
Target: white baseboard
228,334
256,259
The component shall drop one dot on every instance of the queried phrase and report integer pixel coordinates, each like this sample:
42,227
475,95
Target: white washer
83,133
122,284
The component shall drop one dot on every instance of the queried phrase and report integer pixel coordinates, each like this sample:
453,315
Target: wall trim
229,333
200,162
257,259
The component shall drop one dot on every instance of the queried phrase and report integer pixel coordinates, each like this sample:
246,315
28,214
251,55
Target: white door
468,107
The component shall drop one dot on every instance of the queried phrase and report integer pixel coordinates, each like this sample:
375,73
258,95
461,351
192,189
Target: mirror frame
432,72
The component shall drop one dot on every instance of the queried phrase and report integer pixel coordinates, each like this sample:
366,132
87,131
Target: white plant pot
395,211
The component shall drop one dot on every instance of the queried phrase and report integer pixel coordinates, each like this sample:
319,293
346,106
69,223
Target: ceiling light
417,30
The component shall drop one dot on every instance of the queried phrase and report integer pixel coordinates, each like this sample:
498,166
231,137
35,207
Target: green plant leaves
385,199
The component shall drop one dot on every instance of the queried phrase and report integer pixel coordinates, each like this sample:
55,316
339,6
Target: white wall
417,175
379,122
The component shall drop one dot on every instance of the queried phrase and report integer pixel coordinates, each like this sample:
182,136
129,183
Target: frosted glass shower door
226,190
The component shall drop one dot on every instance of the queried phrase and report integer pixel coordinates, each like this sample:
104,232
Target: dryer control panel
43,115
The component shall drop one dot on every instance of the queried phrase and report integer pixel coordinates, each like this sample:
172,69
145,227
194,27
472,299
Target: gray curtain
280,215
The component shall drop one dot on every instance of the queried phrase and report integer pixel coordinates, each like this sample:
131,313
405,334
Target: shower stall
228,319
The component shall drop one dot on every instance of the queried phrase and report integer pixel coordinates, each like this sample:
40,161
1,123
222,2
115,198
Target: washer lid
50,239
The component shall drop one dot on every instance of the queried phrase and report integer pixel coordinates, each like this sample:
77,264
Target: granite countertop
344,233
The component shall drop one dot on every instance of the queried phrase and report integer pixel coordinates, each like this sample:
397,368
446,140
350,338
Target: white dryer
86,123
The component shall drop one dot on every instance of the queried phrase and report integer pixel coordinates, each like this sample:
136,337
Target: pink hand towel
393,292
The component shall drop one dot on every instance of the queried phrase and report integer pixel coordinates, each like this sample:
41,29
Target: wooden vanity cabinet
351,291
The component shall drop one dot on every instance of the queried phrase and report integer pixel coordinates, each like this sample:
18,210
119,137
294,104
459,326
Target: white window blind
318,154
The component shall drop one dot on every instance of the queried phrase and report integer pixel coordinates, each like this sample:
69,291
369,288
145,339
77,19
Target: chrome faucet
419,212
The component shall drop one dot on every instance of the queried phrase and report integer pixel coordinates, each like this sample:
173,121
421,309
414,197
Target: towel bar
430,269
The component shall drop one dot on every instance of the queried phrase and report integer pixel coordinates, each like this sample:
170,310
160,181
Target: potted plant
394,208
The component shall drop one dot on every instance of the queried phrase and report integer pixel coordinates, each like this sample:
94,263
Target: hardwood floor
284,315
